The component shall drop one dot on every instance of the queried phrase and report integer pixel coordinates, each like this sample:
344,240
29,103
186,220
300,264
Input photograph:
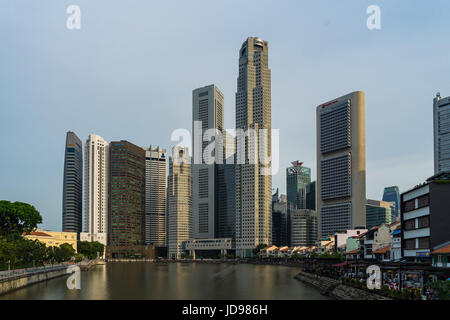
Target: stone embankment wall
335,289
26,280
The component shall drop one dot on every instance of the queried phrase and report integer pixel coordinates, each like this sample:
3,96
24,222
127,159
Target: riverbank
20,281
335,289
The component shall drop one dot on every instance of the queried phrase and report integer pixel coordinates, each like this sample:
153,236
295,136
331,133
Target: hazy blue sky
130,71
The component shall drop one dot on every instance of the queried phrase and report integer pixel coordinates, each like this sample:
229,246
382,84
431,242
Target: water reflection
146,280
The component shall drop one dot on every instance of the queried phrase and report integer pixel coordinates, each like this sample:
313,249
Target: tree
78,257
17,218
90,249
50,254
65,252
258,248
30,252
7,253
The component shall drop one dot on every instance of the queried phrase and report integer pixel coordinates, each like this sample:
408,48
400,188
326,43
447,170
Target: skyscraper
311,196
378,213
72,185
441,116
179,202
392,194
297,179
225,219
303,227
126,198
253,181
279,220
95,218
341,164
207,108
155,196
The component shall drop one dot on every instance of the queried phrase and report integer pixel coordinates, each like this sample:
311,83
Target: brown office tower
126,200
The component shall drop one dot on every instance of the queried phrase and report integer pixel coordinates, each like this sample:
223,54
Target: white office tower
207,125
155,196
341,164
179,202
441,117
95,210
253,183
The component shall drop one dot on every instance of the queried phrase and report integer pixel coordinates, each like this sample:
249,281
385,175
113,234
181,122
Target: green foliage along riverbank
16,252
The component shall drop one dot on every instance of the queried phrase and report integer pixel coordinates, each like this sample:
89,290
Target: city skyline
51,114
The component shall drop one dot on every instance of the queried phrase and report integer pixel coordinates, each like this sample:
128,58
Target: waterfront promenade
18,278
20,273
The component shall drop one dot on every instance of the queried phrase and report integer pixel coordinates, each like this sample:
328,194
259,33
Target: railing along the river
25,272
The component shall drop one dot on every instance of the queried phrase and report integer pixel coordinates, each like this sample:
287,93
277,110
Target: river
197,281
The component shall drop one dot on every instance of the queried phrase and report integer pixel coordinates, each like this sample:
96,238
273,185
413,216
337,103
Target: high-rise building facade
179,202
303,227
392,194
155,196
297,179
207,114
72,185
441,117
279,220
126,197
96,164
341,164
378,213
311,196
225,219
253,179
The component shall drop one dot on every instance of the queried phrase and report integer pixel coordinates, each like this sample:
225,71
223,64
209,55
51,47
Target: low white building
196,245
91,237
396,245
340,238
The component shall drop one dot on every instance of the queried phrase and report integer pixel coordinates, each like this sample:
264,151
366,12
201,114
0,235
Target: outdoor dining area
396,276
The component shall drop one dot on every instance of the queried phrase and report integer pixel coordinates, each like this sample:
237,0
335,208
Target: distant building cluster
137,200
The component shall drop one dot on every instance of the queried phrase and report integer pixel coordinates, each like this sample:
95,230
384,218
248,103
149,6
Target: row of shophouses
381,243
420,235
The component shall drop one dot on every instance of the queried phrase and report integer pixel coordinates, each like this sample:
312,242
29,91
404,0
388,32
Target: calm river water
147,280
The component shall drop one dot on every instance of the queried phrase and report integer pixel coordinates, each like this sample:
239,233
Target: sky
129,72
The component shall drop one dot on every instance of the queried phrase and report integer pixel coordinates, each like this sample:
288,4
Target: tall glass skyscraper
392,194
297,179
311,196
72,185
378,213
225,219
